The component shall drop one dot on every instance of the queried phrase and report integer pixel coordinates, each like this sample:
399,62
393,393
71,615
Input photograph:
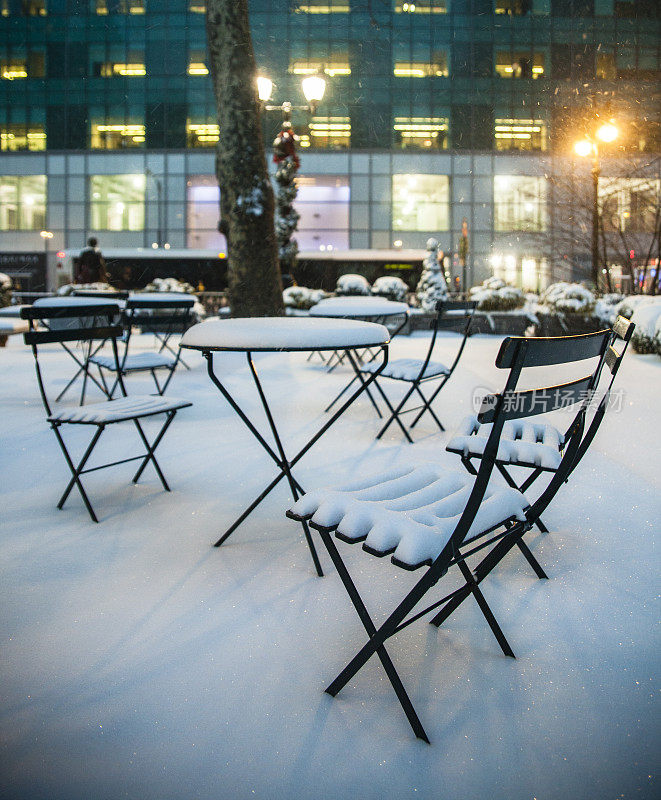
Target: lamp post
159,207
589,146
284,155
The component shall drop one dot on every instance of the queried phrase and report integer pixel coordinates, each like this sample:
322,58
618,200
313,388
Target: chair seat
135,362
522,443
407,369
118,410
409,511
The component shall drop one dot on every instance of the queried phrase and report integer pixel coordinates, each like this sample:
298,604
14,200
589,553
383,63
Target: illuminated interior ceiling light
409,72
35,135
326,9
197,68
11,73
129,70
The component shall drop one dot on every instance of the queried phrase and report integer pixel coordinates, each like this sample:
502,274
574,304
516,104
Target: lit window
112,70
519,203
422,133
33,8
323,7
201,134
104,7
520,134
335,65
333,133
197,6
515,8
13,69
22,202
23,65
437,67
116,136
605,66
420,203
520,64
22,137
629,204
197,68
421,7
117,202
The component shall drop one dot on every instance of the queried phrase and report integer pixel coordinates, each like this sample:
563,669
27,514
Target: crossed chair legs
397,411
397,620
79,469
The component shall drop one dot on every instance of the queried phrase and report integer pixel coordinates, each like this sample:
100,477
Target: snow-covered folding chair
433,518
95,323
417,372
162,315
534,446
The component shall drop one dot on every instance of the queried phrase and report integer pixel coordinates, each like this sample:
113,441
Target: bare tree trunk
247,204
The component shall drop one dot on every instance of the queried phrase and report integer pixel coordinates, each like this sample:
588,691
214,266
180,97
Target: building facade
444,118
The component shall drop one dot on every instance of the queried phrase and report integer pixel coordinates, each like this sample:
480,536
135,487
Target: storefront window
420,203
22,202
117,202
519,203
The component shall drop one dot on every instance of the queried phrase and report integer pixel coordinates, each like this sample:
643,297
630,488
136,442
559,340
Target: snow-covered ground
138,661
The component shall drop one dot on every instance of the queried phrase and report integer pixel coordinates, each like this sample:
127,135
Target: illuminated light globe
314,87
607,132
583,147
264,87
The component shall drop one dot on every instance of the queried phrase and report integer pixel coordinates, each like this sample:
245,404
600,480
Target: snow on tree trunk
247,204
432,286
286,216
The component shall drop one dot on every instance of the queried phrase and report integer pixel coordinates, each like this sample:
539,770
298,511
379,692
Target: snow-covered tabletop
284,333
358,307
67,300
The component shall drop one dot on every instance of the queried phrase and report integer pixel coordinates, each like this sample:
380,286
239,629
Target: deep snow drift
140,662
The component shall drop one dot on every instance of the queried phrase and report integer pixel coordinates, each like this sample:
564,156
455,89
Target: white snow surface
358,307
140,662
282,333
161,297
522,441
407,369
62,301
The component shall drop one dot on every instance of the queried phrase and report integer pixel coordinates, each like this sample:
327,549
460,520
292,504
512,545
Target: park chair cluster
424,516
91,326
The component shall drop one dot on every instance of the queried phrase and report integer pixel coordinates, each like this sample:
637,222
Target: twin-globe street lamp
313,87
589,146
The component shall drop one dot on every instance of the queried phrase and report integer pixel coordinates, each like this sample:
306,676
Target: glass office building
438,114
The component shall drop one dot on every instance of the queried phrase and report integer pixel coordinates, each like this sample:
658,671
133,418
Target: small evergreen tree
286,216
432,286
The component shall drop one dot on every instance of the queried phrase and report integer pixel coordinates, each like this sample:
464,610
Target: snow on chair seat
409,511
125,408
523,443
408,369
137,361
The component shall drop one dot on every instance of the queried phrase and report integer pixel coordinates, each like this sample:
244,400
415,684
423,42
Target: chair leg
430,401
484,608
395,412
369,626
151,448
523,488
426,407
76,470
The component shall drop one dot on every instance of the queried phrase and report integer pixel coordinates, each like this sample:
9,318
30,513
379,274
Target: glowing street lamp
589,146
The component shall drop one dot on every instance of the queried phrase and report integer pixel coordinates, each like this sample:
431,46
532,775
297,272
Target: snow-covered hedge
495,295
169,285
647,319
568,298
351,284
605,308
390,287
626,307
69,288
5,289
301,297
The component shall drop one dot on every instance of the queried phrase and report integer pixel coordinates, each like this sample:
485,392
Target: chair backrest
166,315
516,354
451,310
105,294
87,323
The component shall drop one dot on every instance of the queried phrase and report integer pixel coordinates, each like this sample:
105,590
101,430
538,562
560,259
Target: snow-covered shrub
169,285
605,307
5,289
302,298
351,284
646,318
626,307
390,287
657,336
495,295
69,288
432,286
568,298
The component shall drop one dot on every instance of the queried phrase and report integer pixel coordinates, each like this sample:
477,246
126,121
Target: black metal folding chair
536,447
99,324
417,372
162,317
425,516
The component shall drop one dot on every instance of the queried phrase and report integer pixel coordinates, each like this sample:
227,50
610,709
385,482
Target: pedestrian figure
91,265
